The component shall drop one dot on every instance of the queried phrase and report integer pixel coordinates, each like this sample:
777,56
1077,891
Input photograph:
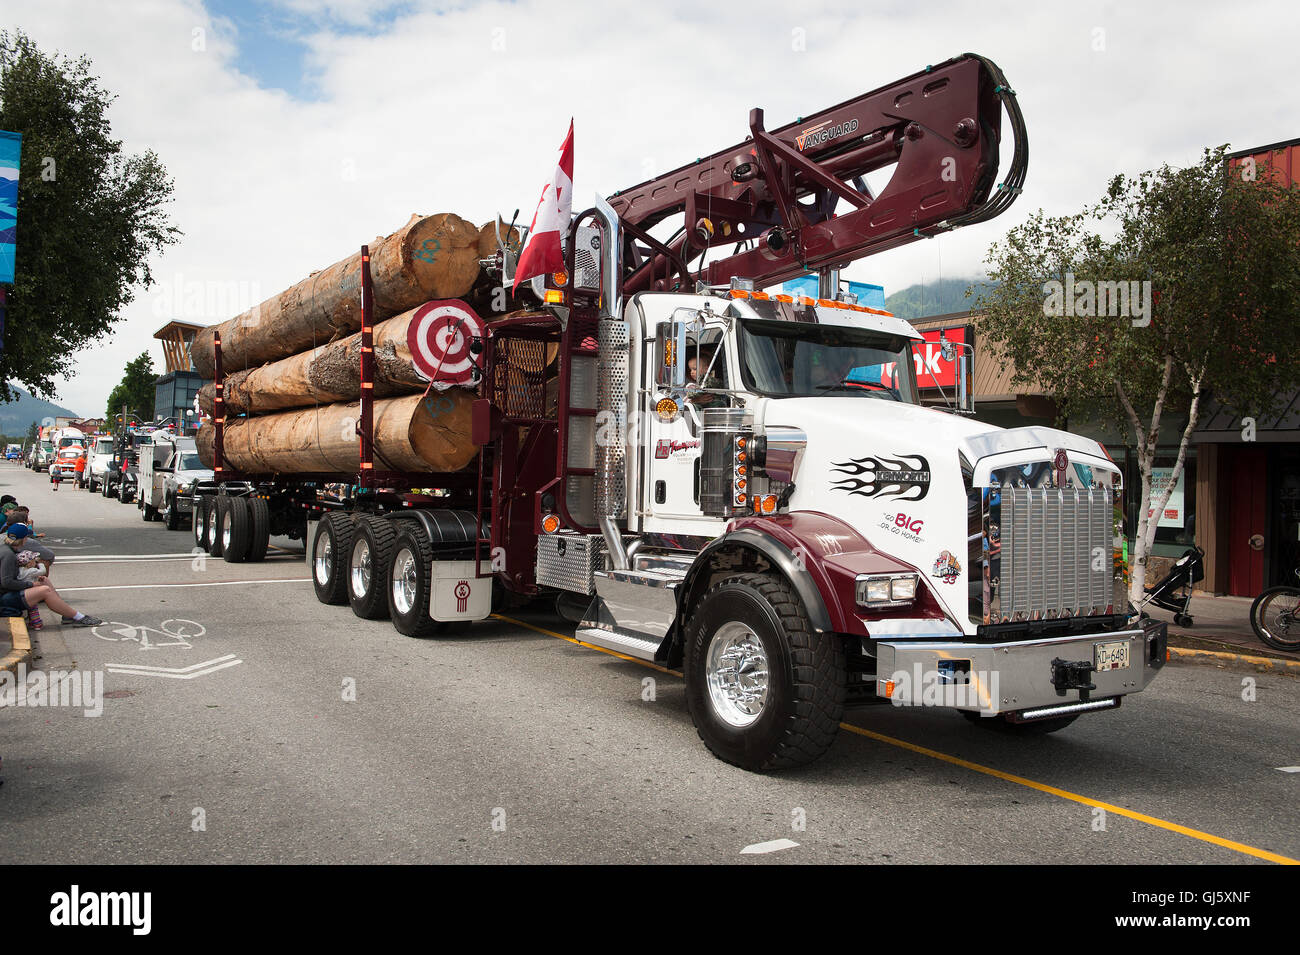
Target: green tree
1218,316
89,216
136,390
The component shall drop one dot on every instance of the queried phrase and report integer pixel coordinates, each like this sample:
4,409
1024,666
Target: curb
1267,662
22,644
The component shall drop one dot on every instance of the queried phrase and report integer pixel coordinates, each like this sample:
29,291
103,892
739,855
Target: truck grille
1057,552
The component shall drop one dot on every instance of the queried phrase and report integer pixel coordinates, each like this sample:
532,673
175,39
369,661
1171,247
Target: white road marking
776,845
1288,769
215,583
178,673
109,558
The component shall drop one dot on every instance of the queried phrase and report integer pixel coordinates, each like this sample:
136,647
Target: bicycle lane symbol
169,633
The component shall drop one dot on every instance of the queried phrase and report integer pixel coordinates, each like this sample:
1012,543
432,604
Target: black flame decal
906,477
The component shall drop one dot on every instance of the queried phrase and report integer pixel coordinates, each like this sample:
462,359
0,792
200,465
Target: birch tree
1176,285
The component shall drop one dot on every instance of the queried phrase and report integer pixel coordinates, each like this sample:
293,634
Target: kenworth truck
744,484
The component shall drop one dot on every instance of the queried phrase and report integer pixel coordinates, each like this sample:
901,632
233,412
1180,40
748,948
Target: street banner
10,146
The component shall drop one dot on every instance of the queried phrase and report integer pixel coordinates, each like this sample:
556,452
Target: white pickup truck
169,466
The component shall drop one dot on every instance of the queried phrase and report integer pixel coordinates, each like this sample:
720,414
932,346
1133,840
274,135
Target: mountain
17,416
934,298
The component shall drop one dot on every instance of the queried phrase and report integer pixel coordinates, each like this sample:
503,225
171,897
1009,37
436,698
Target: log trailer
744,484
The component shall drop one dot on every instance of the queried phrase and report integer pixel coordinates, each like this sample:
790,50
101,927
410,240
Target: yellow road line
1075,797
974,767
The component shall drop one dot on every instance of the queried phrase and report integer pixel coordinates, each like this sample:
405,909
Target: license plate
1110,656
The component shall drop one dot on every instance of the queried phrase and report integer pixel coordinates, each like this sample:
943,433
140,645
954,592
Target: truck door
671,453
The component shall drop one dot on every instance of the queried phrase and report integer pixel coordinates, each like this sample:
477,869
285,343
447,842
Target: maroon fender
832,554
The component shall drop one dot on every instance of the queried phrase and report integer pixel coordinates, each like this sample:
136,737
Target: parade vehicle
169,468
99,462
792,528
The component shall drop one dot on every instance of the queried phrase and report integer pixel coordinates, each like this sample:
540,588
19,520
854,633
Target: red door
1247,521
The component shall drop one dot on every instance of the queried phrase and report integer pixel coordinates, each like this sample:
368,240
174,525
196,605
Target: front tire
765,691
173,517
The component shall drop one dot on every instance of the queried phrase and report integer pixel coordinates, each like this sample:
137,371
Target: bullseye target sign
442,337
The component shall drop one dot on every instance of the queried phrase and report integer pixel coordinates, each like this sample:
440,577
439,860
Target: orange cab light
740,484
788,299
554,296
761,296
740,457
739,293
889,689
550,523
740,442
769,504
740,499
559,278
741,470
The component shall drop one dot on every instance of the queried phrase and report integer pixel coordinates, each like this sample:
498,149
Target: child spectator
22,596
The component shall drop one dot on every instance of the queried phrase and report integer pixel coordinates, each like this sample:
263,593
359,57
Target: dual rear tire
379,566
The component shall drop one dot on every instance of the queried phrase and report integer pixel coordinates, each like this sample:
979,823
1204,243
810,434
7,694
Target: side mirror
670,356
966,382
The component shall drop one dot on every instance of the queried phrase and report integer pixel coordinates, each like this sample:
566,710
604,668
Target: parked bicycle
1275,616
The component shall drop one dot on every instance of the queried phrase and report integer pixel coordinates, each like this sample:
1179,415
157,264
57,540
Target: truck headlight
885,590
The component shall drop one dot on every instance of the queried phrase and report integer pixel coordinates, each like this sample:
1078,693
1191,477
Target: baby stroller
1175,591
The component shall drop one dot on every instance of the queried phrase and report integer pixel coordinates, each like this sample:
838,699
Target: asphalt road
511,745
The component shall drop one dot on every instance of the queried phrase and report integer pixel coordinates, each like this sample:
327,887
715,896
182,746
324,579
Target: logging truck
715,476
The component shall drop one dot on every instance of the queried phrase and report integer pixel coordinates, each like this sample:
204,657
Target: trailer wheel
369,563
764,690
409,582
329,558
200,520
219,505
260,512
1001,724
236,530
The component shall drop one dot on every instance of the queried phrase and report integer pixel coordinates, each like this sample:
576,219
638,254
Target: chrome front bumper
1035,675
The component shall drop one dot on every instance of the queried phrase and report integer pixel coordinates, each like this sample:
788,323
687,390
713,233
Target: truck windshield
190,462
800,359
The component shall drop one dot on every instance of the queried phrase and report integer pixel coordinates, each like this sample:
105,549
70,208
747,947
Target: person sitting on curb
21,515
19,596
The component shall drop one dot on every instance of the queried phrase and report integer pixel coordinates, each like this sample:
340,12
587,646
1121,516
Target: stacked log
411,433
431,257
300,350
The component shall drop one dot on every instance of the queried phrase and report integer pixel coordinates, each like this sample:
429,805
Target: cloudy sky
298,130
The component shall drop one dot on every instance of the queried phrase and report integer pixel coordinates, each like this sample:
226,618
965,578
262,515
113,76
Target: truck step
631,644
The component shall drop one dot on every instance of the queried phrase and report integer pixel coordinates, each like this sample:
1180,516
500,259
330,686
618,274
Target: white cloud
461,108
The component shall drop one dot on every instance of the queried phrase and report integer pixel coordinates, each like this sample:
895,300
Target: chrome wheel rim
360,567
212,525
406,580
736,673
225,533
322,557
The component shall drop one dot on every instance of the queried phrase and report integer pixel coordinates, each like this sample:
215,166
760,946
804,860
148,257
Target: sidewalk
1219,624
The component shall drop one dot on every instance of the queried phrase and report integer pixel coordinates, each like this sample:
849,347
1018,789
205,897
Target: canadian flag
542,251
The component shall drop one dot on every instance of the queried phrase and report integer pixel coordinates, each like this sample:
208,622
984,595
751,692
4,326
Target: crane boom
775,196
